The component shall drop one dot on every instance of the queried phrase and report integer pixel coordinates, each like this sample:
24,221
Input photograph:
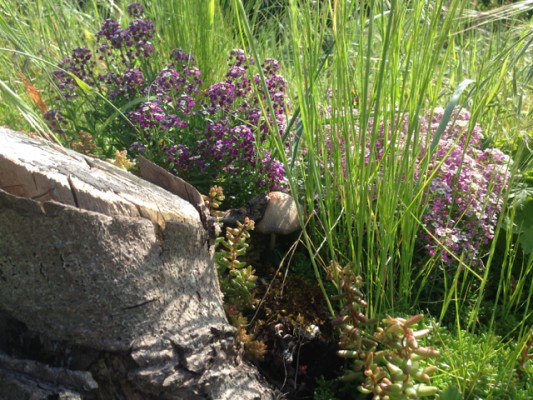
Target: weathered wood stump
108,282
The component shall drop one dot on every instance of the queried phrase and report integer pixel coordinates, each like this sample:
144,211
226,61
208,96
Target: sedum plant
237,282
391,364
395,369
237,279
213,200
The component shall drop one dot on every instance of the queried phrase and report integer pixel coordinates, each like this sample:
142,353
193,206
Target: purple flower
182,58
136,10
236,72
78,64
125,86
149,115
112,35
137,147
140,32
202,134
54,119
167,81
466,193
272,173
192,79
270,66
238,58
135,40
132,80
173,121
221,96
178,155
186,104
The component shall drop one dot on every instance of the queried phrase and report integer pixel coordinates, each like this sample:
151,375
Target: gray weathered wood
93,256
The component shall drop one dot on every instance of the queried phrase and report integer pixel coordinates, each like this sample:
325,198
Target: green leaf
448,112
451,393
526,240
81,84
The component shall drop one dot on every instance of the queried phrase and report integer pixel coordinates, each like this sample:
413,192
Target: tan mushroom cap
281,215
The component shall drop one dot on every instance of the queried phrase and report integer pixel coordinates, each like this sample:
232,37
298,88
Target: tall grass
201,28
33,34
387,57
400,60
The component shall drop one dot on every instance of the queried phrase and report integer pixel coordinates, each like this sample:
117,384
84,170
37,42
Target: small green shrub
481,366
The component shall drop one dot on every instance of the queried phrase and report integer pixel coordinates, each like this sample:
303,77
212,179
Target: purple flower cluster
79,64
55,120
243,96
136,10
135,40
149,115
213,133
203,133
182,58
465,195
121,49
125,86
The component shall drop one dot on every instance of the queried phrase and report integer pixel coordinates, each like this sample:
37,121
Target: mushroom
280,216
274,214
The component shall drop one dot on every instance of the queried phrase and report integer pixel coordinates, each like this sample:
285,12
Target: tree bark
108,288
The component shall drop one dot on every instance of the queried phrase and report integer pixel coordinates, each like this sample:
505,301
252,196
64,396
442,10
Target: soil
293,321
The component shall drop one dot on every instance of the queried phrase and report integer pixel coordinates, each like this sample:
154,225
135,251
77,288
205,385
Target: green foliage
390,364
526,355
451,393
522,223
402,59
201,28
482,366
33,36
237,279
325,390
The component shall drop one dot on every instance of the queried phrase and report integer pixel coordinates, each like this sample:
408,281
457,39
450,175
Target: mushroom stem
272,244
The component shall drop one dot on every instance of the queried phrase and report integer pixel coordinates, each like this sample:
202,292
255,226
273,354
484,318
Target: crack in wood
182,358
141,304
47,193
73,190
89,163
41,270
